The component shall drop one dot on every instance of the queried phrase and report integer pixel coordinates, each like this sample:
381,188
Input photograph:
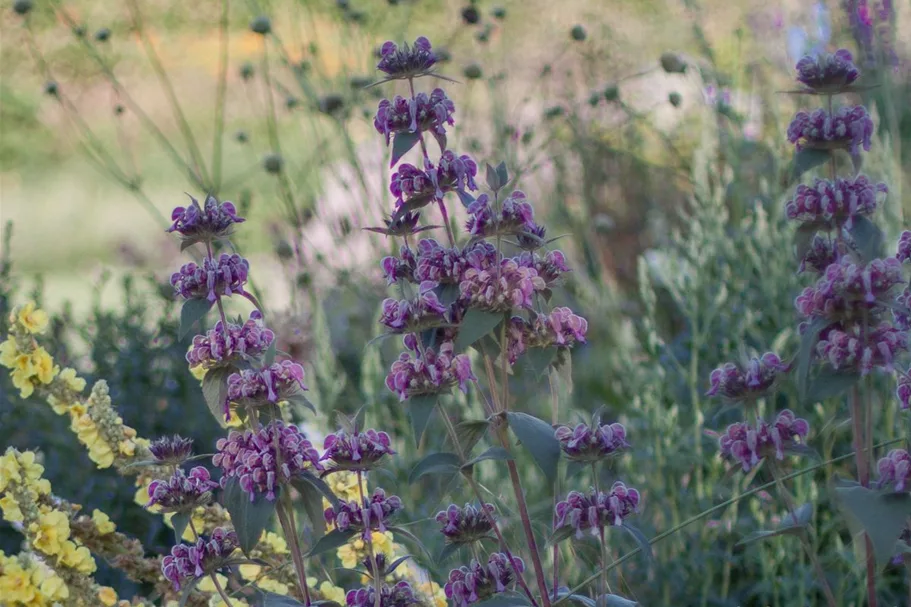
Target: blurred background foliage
651,135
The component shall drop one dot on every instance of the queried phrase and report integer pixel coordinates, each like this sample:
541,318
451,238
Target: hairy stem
286,520
377,578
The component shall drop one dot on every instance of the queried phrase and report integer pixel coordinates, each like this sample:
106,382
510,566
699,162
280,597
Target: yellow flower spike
276,542
102,522
31,318
127,447
45,369
249,572
107,596
24,364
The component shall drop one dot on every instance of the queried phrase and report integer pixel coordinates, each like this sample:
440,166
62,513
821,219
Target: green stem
286,520
220,98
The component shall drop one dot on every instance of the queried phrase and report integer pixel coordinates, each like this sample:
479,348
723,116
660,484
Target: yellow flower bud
71,380
107,596
10,508
102,522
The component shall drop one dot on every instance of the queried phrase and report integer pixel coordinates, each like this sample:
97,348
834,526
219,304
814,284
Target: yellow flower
50,532
199,372
127,447
9,352
434,592
32,319
344,485
276,542
102,522
23,381
142,495
11,511
9,469
32,469
249,572
332,592
270,585
107,596
16,582
51,585
101,454
45,368
79,558
71,380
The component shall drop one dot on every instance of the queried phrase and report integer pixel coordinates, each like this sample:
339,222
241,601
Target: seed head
672,63
103,35
172,450
577,33
23,7
261,25
407,61
273,163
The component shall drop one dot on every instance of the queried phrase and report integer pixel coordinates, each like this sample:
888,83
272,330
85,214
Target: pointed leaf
537,437
420,409
641,540
395,564
504,599
401,531
351,424
498,453
578,599
215,390
447,293
402,144
538,360
447,551
270,599
867,238
300,399
493,178
808,342
269,355
332,540
465,197
192,311
789,525
502,174
179,521
882,514
809,158
441,139
803,239
561,534
312,500
469,432
435,463
615,600
828,384
187,590
248,518
314,482
475,325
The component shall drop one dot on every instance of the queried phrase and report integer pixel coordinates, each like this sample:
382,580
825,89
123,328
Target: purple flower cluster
827,73
403,224
414,188
272,384
357,451
895,469
901,313
850,348
432,371
441,264
171,450
251,457
828,202
406,61
586,443
182,492
212,279
596,510
200,559
747,445
847,288
550,267
412,316
467,524
476,582
423,113
736,384
848,128
221,346
560,328
371,515
499,287
903,254
213,220
822,253
516,216
399,595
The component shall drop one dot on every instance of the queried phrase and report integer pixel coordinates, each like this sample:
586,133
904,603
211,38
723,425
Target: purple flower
414,188
848,289
901,313
822,253
903,391
406,61
499,287
413,316
371,515
734,383
195,223
831,203
853,349
516,216
560,328
269,385
172,450
895,469
550,267
747,445
431,372
423,113
251,458
401,267
849,128
400,595
221,347
467,524
476,582
596,510
182,492
198,560
586,443
358,451
442,264
903,253
827,73
212,279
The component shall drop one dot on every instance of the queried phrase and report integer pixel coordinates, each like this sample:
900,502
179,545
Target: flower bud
471,15
273,163
498,12
675,99
103,35
261,25
577,33
23,7
472,71
672,63
247,70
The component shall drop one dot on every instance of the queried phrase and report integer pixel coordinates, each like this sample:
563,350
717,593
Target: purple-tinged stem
221,307
213,575
377,578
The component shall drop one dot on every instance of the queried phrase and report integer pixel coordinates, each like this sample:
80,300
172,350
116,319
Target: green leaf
640,539
493,178
789,525
502,174
420,409
395,564
475,325
829,383
615,600
447,293
577,599
447,551
332,540
248,518
351,423
215,391
300,399
179,521
809,158
469,432
504,599
537,436
498,453
561,534
538,360
188,588
401,531
313,502
803,239
868,239
402,143
435,463
270,599
465,197
269,355
192,311
882,514
808,343
327,603
314,482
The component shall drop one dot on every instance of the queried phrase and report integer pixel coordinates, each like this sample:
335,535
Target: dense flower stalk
432,371
734,383
203,558
369,515
476,582
358,450
747,444
597,509
223,277
224,345
466,524
827,73
197,223
592,443
182,492
269,385
849,128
